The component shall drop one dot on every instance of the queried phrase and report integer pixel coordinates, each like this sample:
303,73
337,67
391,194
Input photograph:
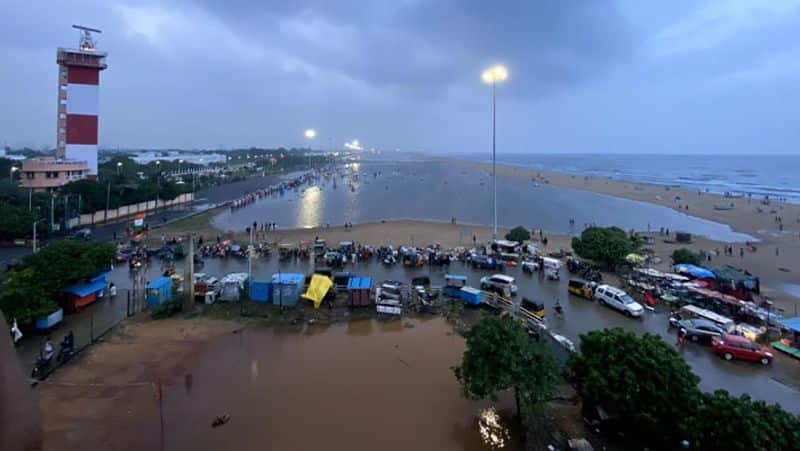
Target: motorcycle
67,349
41,368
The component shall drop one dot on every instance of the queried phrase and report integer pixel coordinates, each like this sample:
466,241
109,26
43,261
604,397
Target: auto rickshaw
535,308
581,288
285,251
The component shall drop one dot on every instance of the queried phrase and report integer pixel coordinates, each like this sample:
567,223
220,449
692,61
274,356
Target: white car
500,282
618,299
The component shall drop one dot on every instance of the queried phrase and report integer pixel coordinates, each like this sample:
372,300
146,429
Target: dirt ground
108,398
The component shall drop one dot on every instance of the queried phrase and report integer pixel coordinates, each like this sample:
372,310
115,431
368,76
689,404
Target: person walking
681,337
741,252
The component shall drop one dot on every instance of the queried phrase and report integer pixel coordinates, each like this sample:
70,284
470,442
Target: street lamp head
494,74
119,164
310,133
158,162
14,168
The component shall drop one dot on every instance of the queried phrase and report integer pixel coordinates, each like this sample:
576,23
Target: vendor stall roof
729,272
359,282
85,289
160,282
694,271
288,278
792,323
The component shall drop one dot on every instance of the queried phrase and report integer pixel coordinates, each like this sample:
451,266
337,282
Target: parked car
699,329
82,234
618,299
737,347
484,262
499,282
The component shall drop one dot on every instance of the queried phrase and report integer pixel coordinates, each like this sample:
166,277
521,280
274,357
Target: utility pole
188,279
30,199
108,201
66,212
34,235
52,212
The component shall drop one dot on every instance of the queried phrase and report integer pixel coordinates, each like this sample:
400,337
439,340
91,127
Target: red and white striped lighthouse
78,89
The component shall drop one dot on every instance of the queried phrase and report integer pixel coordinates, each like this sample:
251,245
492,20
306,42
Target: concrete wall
99,217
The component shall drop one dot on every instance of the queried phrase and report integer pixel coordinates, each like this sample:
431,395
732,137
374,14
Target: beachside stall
694,272
48,322
453,284
736,282
206,288
318,289
233,286
389,298
286,289
358,291
260,291
790,341
159,291
80,295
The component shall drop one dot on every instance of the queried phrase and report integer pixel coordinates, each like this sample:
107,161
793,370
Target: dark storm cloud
423,47
585,75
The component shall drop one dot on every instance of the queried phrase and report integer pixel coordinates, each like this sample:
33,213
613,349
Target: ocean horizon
738,174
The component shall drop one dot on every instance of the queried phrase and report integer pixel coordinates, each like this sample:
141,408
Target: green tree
66,262
519,234
24,298
15,222
685,256
501,356
721,421
608,245
640,380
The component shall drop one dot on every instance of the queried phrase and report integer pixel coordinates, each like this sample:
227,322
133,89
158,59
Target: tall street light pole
494,75
310,134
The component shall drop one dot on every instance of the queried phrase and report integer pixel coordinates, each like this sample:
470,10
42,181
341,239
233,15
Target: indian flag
138,222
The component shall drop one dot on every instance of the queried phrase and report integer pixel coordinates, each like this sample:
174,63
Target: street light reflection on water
308,215
493,432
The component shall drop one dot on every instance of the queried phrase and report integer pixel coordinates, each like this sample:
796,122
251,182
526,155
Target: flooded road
364,385
439,191
777,383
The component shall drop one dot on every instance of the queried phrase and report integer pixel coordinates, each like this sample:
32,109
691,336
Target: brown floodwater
362,385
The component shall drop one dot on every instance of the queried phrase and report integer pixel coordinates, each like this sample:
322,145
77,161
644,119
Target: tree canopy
24,298
722,421
31,289
518,234
639,379
685,256
15,222
501,356
608,245
65,262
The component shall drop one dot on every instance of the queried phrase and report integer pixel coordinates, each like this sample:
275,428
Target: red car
737,347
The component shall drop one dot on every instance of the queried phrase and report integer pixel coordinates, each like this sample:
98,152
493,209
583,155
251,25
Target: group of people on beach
251,197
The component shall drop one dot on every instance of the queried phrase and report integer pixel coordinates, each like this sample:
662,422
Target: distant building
49,173
77,120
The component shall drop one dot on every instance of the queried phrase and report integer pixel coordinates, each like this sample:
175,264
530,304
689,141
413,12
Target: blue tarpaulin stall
80,295
694,271
159,291
358,289
286,288
260,291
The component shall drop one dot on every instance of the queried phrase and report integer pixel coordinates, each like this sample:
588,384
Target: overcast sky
678,76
